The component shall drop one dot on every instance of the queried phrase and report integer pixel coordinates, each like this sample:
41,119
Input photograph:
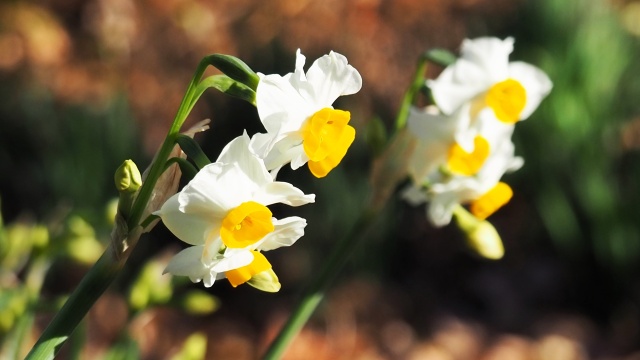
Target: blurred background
85,85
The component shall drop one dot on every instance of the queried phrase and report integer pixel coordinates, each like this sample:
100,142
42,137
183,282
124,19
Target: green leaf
188,170
441,57
193,150
226,85
235,69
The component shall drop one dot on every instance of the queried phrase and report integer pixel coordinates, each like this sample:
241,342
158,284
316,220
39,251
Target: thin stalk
412,92
35,277
157,167
73,311
317,290
105,270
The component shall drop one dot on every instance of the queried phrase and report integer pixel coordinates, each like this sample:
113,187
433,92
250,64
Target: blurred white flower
446,175
483,83
223,213
296,110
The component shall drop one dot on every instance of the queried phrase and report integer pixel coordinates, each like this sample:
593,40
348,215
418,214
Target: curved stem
84,296
410,95
317,290
165,150
105,270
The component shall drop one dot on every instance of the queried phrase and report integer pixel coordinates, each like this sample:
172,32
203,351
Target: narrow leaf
441,57
235,69
193,150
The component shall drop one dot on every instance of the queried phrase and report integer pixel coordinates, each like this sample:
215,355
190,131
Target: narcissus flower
296,110
446,175
223,213
485,83
438,146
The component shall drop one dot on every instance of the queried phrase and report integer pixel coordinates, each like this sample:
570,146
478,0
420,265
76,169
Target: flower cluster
223,211
464,143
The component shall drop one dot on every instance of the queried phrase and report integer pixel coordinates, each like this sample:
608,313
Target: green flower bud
127,177
265,281
481,235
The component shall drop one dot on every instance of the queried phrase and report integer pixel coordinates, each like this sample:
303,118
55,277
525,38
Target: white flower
440,140
484,81
222,212
296,110
445,191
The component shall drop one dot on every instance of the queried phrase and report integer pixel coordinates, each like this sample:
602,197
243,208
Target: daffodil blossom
437,147
483,190
296,110
223,213
483,83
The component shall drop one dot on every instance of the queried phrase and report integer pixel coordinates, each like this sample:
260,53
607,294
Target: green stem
34,280
317,290
105,270
412,91
84,296
157,167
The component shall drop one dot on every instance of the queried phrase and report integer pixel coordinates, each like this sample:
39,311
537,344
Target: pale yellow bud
266,281
127,177
481,235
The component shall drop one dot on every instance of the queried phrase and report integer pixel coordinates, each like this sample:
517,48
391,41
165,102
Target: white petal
458,84
188,263
440,209
428,124
238,151
490,54
435,135
287,150
483,62
298,79
219,187
200,195
209,279
298,156
492,129
280,105
282,192
286,232
300,60
414,195
233,259
261,144
233,187
192,228
331,76
536,83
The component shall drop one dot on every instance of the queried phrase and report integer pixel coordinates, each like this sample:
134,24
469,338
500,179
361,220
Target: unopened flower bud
481,235
127,177
265,281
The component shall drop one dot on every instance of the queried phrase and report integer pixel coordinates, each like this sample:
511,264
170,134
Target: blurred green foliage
582,180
